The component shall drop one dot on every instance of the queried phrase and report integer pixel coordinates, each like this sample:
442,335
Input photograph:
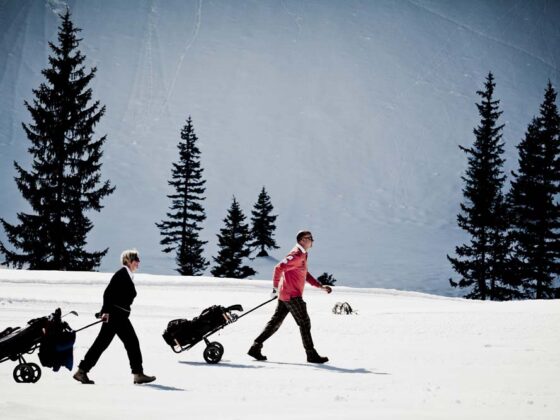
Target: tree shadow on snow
330,367
221,364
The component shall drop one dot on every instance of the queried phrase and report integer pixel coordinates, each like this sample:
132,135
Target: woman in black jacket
117,299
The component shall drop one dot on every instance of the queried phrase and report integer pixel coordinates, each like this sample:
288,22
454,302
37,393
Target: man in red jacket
290,276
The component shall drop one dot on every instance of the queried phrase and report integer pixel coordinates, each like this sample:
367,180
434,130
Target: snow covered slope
404,355
349,112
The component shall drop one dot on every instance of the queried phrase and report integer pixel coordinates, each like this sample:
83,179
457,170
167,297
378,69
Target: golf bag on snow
52,336
184,332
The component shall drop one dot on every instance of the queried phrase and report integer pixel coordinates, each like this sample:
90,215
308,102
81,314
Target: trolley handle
89,325
257,307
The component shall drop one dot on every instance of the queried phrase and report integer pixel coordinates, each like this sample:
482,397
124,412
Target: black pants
298,308
118,325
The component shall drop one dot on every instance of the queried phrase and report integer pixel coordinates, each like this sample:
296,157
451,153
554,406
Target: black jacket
119,294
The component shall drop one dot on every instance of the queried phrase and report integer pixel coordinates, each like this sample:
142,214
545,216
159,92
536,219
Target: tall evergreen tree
180,230
65,176
263,227
233,241
481,262
504,283
533,199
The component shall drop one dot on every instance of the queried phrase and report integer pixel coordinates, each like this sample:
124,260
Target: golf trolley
184,334
52,336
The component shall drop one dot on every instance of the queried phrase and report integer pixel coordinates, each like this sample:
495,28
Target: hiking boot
81,376
140,378
255,351
313,357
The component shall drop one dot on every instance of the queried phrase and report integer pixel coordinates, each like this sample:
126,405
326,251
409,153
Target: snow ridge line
239,285
103,279
54,302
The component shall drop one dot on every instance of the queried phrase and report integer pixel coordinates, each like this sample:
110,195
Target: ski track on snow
188,45
484,35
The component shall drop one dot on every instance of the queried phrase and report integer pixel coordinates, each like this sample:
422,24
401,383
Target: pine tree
326,279
180,230
64,180
504,283
263,226
533,199
483,261
233,242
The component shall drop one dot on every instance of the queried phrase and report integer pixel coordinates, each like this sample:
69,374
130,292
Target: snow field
404,355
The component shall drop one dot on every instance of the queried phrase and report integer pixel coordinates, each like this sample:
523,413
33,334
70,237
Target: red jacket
291,273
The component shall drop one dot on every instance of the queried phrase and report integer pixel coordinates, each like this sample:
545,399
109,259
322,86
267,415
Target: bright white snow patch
403,356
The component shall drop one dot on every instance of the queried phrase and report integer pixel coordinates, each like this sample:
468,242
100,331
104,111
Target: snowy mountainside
405,355
350,113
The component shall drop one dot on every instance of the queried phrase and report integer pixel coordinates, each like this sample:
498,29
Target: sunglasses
309,237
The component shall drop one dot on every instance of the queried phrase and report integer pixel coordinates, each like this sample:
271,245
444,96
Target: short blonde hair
129,255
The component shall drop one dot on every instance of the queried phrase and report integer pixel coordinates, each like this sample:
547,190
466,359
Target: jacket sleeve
107,298
287,264
312,280
111,291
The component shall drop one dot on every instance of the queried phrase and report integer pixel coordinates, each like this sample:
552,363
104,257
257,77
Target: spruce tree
533,199
326,279
233,241
180,230
263,227
63,182
504,282
481,262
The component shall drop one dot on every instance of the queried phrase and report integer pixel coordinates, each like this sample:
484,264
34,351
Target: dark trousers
298,308
120,326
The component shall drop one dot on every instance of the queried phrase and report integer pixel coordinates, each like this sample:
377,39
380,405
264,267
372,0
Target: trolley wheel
27,373
219,345
213,352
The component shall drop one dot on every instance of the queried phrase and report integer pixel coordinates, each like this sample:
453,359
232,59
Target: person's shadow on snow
221,364
162,387
330,367
262,364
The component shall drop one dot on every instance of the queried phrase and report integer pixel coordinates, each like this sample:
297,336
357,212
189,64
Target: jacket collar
302,249
130,273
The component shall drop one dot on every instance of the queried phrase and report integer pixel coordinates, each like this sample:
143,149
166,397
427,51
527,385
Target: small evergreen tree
180,230
326,279
233,241
263,227
533,199
64,180
481,262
